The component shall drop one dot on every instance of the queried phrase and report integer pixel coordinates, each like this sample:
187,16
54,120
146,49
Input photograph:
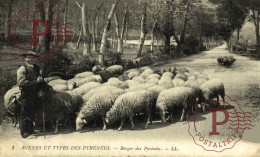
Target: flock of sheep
116,95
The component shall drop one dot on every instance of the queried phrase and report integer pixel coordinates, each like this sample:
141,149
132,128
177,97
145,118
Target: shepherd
29,82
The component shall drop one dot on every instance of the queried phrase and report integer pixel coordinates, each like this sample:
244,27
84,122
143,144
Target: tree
254,6
8,16
65,20
104,42
166,23
86,33
120,35
231,16
79,38
47,37
144,31
95,24
155,7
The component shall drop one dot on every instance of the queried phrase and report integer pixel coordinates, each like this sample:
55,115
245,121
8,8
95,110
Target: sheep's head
162,114
80,122
110,118
72,85
107,120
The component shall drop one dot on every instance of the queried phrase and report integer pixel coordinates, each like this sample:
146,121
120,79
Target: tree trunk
237,42
144,32
86,33
182,38
47,37
152,36
94,42
103,47
230,44
167,43
7,20
257,31
65,21
117,30
238,35
95,25
80,34
126,34
120,43
42,16
113,39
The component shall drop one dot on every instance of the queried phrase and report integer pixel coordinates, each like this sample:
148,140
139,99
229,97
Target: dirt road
241,82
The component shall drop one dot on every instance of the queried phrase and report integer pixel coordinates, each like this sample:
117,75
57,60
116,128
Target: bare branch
100,5
78,4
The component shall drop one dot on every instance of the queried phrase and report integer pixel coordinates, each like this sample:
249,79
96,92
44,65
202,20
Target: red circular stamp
221,128
39,30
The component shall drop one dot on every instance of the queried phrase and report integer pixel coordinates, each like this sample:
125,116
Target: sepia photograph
130,78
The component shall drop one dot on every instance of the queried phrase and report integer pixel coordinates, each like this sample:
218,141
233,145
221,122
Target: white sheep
10,104
84,74
178,97
212,89
198,75
178,82
182,70
58,81
201,81
142,69
110,89
96,68
139,87
182,76
138,79
167,74
60,87
83,89
123,77
132,83
132,70
117,83
96,106
166,82
132,73
85,80
194,84
155,90
129,104
116,69
146,73
154,81
51,78
97,77
152,76
203,76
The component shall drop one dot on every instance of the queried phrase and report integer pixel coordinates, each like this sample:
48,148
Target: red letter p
35,33
214,120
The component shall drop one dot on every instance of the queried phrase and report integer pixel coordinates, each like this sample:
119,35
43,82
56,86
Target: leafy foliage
113,58
85,64
231,15
59,64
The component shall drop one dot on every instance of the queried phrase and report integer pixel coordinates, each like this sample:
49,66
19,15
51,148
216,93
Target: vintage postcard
130,78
